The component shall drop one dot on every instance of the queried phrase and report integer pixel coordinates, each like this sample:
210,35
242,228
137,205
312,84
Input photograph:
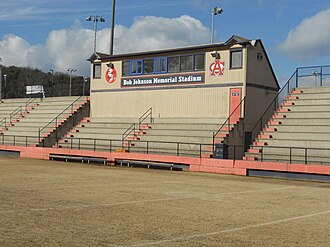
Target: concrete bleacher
299,131
24,128
171,136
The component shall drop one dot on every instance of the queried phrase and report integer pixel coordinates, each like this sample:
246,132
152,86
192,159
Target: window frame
129,67
194,65
231,58
160,59
137,61
100,66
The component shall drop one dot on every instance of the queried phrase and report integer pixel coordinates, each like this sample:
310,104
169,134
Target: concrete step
181,132
186,139
190,126
89,143
297,143
293,151
302,128
107,136
217,121
299,135
308,108
298,102
305,114
315,90
114,120
100,131
304,121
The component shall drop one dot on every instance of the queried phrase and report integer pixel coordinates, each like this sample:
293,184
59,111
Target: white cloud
310,39
71,47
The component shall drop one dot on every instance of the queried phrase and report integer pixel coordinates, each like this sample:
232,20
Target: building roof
232,40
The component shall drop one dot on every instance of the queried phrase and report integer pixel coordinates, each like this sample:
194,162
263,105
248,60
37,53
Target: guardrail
289,154
144,116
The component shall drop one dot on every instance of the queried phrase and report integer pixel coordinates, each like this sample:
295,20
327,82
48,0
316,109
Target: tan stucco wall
193,102
258,71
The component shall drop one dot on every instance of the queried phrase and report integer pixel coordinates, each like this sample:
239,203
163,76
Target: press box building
204,81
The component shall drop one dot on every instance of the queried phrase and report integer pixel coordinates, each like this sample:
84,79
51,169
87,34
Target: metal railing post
147,147
296,78
200,150
290,155
305,156
177,149
321,76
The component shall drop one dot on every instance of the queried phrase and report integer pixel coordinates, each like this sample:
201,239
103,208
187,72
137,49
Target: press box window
126,68
97,71
160,65
136,67
173,64
148,66
186,63
236,59
199,62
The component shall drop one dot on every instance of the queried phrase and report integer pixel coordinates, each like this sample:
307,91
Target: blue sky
54,34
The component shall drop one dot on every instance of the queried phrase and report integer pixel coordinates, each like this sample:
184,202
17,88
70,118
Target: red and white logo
217,68
111,75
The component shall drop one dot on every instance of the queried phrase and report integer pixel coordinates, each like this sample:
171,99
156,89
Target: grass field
49,203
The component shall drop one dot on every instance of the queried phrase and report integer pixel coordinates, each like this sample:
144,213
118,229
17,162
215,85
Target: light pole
95,18
0,80
85,80
215,11
71,70
5,77
112,31
52,72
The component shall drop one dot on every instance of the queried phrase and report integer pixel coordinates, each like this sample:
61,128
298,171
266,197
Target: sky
55,35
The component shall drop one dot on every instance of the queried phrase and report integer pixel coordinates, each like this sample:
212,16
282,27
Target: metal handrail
132,128
29,102
15,112
144,116
127,132
3,121
227,122
272,102
56,118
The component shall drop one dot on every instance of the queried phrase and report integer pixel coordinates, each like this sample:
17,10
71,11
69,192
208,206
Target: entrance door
234,108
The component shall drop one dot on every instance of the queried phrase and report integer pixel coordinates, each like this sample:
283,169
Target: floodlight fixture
215,11
95,19
71,70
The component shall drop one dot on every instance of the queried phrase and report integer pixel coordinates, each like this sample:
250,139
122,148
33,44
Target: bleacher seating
171,136
23,128
299,131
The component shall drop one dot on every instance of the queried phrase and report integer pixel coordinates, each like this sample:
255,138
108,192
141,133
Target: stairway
298,132
24,128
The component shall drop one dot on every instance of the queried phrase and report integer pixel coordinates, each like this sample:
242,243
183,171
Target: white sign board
35,90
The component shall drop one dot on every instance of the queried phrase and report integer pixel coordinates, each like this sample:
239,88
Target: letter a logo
217,68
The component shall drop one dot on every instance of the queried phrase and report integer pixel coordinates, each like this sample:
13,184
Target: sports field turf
49,203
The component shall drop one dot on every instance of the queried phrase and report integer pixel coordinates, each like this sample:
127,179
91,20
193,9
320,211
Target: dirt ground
49,203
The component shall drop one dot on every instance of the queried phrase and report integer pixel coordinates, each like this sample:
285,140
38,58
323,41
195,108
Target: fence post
110,146
177,149
147,147
290,155
262,154
296,78
305,156
321,76
200,150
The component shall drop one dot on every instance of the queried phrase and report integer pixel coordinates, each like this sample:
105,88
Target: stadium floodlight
215,11
95,19
71,70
